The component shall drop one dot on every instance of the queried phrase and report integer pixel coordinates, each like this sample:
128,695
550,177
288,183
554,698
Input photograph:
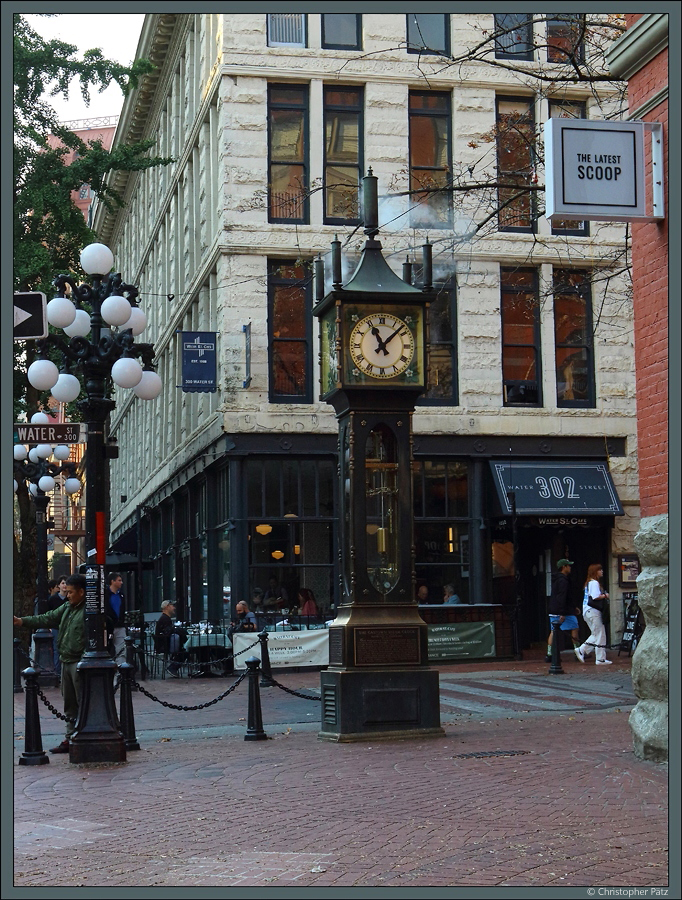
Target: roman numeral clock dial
382,345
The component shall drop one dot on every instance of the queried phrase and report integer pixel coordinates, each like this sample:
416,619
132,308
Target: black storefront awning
556,487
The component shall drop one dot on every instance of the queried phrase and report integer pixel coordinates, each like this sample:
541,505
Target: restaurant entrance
541,545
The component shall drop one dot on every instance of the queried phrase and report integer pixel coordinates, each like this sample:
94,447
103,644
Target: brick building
641,56
272,120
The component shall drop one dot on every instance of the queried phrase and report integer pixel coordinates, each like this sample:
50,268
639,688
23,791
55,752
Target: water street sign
30,316
595,170
62,433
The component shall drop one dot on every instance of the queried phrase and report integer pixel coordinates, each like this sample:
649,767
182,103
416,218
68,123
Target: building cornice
638,46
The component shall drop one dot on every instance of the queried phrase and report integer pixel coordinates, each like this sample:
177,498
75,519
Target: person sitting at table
449,595
306,603
257,601
276,596
245,619
169,638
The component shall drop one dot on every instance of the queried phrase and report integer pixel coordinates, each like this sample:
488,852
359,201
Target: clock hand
381,345
391,336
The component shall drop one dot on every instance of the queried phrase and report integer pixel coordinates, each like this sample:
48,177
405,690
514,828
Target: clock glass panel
384,345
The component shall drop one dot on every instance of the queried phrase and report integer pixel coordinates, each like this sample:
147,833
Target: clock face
382,345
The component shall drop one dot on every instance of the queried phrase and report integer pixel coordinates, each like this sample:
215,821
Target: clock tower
373,361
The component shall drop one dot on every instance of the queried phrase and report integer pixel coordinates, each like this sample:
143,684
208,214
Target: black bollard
555,668
33,754
126,716
266,669
254,731
129,642
18,653
44,661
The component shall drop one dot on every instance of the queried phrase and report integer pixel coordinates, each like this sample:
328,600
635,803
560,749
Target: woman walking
596,594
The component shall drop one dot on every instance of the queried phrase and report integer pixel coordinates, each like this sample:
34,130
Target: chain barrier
138,687
214,662
295,693
55,712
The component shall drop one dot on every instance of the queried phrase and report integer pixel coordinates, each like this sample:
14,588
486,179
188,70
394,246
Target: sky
116,35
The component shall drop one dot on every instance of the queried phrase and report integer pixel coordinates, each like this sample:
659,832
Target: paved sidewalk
563,802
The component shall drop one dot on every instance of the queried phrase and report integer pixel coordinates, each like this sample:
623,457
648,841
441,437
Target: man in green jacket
70,620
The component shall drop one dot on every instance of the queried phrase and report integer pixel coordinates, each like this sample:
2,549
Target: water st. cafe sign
595,171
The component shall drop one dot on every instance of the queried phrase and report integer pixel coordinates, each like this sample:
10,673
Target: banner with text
461,640
287,648
199,361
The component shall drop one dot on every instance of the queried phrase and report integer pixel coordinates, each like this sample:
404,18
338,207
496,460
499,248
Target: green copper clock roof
374,275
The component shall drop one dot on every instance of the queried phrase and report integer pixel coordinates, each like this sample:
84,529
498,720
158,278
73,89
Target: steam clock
373,359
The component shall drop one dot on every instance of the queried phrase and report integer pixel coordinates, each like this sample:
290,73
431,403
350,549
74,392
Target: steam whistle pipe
407,271
319,279
336,262
370,204
427,266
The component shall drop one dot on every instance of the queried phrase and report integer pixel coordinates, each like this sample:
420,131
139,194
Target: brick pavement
199,806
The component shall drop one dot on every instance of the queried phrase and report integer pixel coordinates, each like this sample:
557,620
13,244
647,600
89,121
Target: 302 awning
556,486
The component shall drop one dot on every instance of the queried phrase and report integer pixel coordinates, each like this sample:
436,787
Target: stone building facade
272,120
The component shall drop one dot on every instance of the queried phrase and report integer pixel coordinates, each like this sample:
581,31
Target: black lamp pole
517,577
97,736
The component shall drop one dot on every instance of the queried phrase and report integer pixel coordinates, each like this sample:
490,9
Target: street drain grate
484,754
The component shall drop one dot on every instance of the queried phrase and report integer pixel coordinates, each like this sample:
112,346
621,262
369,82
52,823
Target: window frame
304,90
566,20
532,198
584,229
447,95
429,51
305,283
536,345
560,287
326,45
528,54
304,24
450,287
327,109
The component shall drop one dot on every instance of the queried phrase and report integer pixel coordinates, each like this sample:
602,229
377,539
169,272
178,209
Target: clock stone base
379,704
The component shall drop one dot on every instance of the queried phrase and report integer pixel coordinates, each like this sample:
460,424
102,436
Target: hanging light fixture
263,529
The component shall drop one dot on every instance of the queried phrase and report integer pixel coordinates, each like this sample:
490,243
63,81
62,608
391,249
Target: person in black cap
561,609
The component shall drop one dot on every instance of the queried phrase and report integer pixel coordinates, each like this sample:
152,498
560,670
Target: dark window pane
427,33
458,489
440,373
572,375
520,337
287,192
340,30
429,141
564,37
286,29
513,35
254,488
515,161
434,476
326,475
287,135
342,137
290,487
432,101
289,312
519,364
309,487
569,319
417,488
273,501
288,96
290,362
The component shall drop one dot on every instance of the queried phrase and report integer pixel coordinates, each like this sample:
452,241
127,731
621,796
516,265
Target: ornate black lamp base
97,738
379,704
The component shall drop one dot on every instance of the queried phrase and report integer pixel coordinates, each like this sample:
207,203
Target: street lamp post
102,358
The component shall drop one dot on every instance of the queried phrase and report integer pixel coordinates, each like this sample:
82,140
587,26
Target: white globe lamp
72,485
16,486
97,259
43,374
61,452
33,455
40,418
115,310
137,321
61,312
46,484
149,387
33,488
20,452
67,388
126,372
44,451
80,326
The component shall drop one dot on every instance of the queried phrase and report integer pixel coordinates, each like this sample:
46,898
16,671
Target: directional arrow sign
30,316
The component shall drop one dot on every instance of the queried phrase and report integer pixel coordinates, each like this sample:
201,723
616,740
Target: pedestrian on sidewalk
561,608
70,620
169,638
115,610
596,594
